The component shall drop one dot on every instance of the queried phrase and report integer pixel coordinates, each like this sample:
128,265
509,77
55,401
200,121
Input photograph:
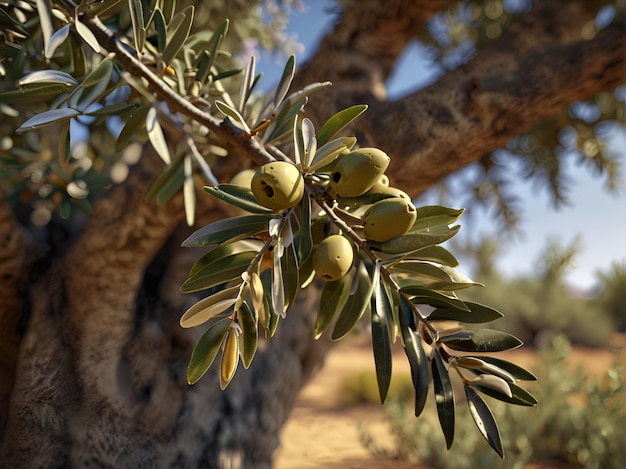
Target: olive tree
105,362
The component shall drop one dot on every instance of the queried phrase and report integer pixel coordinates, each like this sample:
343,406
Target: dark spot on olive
336,176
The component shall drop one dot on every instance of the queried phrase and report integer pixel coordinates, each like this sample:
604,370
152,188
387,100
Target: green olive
278,185
333,258
356,172
243,178
392,191
381,184
388,219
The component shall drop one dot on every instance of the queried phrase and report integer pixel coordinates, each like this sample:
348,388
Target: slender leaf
230,358
333,299
48,76
224,250
285,81
221,271
135,122
492,382
291,276
180,35
209,307
161,29
228,230
45,21
247,83
249,334
431,216
86,35
482,340
338,122
424,296
206,350
444,397
136,18
273,316
356,305
189,191
329,152
519,396
156,135
53,116
412,241
232,112
381,341
416,355
172,185
278,287
56,40
477,313
513,369
484,420
113,109
239,196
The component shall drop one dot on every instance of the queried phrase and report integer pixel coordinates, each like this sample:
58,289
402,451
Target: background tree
93,358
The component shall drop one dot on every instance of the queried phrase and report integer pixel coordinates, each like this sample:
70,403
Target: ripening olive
388,219
356,172
243,177
394,192
278,185
333,258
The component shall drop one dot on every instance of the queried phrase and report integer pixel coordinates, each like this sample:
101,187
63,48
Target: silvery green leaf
223,270
239,196
156,136
309,141
206,349
161,29
134,124
209,307
356,305
482,340
381,340
45,21
232,112
278,289
247,83
205,169
492,382
249,336
177,39
85,33
475,313
431,216
510,368
329,152
444,397
136,18
189,191
414,240
424,296
285,81
519,396
416,355
53,116
338,122
333,298
56,40
484,420
228,230
101,73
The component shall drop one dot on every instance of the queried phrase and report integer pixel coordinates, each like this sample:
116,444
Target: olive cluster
357,175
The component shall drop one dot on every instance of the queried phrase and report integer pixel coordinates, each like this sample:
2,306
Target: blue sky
595,216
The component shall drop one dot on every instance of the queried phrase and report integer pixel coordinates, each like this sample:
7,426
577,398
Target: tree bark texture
101,369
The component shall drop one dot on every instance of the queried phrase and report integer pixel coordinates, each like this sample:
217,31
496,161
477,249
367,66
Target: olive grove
123,123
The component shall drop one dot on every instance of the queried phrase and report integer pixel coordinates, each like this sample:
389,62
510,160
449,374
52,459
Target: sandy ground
324,433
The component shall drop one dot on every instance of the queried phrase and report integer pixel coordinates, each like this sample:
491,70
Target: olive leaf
156,135
48,76
224,270
338,122
206,349
484,420
179,35
519,396
53,116
228,230
249,336
239,196
209,307
424,296
381,340
482,340
230,358
416,355
477,313
333,299
444,397
356,305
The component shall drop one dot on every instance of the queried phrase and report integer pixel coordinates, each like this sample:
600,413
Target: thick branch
361,51
478,108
